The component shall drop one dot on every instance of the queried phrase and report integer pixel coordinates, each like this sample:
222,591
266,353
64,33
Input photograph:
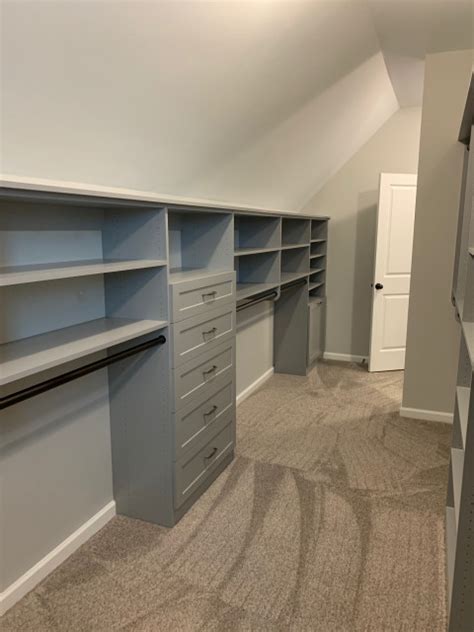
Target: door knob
378,286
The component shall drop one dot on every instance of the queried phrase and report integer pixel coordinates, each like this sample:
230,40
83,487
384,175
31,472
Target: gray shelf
316,270
468,334
177,275
240,252
293,246
314,286
463,394
18,275
318,241
317,255
31,355
246,290
287,277
457,465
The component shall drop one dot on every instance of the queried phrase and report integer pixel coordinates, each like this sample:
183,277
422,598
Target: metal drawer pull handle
211,454
211,370
210,412
212,294
211,331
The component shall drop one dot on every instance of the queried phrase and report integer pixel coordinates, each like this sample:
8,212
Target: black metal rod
69,376
293,284
256,300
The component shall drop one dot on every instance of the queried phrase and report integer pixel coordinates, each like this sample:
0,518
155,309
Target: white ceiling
408,30
250,101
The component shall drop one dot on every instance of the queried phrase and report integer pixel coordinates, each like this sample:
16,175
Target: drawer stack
202,337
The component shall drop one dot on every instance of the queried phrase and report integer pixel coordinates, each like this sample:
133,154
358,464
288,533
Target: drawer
196,377
191,472
198,295
193,336
200,419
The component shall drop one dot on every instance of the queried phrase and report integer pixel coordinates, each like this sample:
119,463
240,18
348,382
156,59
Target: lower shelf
45,351
463,394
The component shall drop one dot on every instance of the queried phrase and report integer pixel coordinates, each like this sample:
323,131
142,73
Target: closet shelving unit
460,496
85,276
76,277
257,245
270,253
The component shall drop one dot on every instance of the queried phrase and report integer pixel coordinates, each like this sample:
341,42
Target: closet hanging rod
69,376
257,299
293,284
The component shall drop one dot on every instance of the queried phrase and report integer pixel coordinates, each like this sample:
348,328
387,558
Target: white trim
426,415
54,558
344,357
254,386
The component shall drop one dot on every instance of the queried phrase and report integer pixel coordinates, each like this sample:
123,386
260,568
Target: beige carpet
330,519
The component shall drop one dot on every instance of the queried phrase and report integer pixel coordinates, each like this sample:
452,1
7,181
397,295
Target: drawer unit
191,472
197,295
197,376
200,419
193,336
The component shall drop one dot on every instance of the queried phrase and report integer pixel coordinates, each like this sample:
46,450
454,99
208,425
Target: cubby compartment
294,264
40,242
257,273
76,279
295,232
319,230
317,279
200,242
256,233
318,250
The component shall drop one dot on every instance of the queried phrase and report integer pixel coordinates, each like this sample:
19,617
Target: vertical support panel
142,436
290,332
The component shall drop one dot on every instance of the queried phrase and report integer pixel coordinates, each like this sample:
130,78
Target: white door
391,286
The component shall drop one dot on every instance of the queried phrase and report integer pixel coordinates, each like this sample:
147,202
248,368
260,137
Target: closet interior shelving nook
460,500
144,290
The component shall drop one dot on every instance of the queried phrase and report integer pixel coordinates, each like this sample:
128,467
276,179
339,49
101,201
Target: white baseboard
254,386
344,357
54,558
426,415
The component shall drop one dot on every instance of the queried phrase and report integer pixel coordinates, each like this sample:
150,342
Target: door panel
394,247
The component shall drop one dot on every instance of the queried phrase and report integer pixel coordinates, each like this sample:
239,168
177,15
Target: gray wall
350,198
433,334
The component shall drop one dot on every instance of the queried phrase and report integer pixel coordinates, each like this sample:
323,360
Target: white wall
433,333
350,199
252,102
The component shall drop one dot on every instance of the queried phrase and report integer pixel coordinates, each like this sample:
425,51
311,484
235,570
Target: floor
330,519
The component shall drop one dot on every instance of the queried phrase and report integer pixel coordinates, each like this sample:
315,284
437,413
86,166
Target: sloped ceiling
254,101
410,29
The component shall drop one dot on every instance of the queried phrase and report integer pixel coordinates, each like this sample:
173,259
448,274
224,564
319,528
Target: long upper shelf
17,275
20,187
31,355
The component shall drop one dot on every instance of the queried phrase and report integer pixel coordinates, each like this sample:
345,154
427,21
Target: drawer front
197,296
191,472
197,376
195,424
193,336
